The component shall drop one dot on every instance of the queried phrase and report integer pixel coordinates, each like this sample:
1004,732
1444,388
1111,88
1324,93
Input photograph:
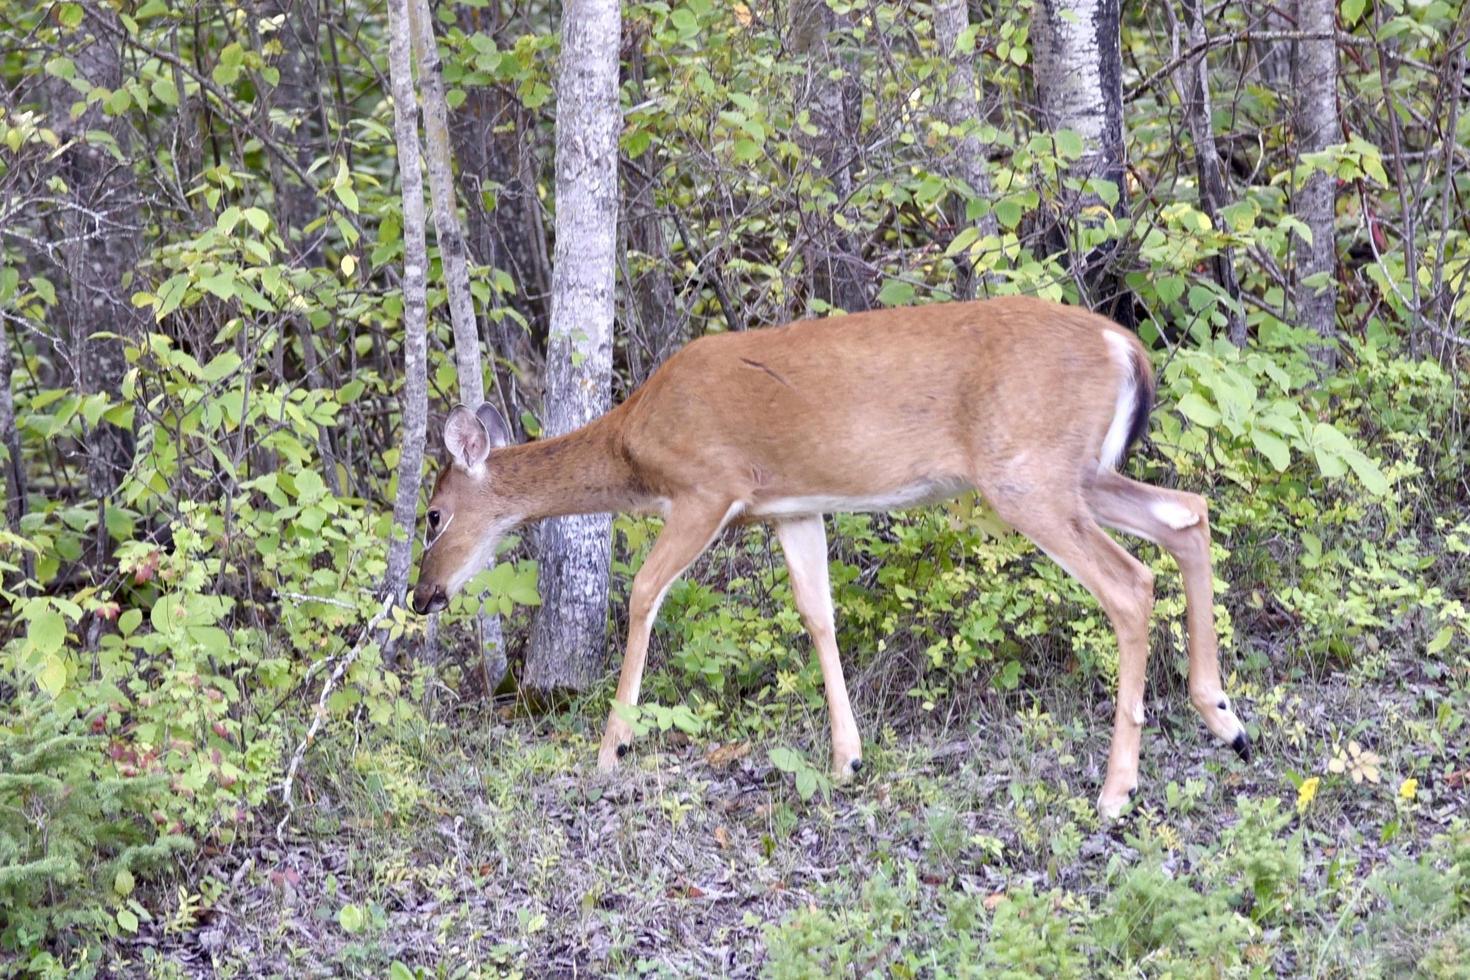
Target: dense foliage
201,245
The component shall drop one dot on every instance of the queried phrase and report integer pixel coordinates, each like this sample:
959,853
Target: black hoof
857,765
1242,747
622,751
1133,792
1223,705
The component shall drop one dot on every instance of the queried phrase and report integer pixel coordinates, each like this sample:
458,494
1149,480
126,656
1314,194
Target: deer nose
426,600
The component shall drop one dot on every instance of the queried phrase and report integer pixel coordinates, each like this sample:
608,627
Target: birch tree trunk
569,637
1193,83
415,302
1316,202
454,259
962,113
1079,80
832,255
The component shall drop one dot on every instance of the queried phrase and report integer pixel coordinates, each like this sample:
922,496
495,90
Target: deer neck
582,472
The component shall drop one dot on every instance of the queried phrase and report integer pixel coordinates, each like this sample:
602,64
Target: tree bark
967,160
832,255
1079,79
415,302
454,260
447,230
1193,83
646,257
15,474
569,638
493,138
1316,203
101,225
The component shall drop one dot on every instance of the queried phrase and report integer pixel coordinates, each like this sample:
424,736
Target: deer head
467,516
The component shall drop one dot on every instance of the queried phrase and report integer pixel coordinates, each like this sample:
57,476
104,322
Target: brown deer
1030,403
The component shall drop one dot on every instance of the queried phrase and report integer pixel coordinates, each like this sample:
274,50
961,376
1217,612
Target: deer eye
433,520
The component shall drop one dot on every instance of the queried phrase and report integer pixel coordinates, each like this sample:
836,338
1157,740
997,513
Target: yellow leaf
1408,788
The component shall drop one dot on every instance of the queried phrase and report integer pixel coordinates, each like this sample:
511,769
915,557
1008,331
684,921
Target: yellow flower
1408,788
1306,793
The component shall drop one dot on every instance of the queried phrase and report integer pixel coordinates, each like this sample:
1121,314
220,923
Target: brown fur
1012,396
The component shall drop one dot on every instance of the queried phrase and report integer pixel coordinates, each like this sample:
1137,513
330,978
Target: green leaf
221,366
1273,447
896,292
47,631
51,678
786,760
1008,212
352,918
129,621
1069,143
1193,407
165,91
122,882
127,920
963,240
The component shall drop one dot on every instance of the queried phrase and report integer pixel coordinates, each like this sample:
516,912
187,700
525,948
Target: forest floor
493,847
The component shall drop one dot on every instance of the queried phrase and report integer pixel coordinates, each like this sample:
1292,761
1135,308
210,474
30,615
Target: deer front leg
804,542
690,528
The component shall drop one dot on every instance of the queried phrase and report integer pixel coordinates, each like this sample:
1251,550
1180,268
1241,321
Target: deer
1029,403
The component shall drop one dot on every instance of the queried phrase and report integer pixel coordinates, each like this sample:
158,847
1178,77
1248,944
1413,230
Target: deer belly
900,498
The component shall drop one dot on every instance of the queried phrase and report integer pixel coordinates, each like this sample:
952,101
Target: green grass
492,848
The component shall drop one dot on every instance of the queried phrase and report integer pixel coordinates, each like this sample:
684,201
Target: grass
490,847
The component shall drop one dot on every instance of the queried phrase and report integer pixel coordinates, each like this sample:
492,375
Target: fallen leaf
722,755
722,837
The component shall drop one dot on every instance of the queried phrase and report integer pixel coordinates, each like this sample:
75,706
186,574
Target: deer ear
495,425
465,438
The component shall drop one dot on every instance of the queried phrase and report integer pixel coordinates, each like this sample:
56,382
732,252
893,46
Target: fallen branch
346,661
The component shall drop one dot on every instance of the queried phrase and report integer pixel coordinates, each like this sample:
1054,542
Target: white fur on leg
1175,515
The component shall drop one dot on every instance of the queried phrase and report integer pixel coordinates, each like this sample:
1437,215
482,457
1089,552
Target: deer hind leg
804,542
690,528
1064,528
1180,524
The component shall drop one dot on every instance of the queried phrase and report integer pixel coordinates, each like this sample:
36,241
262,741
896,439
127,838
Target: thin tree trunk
569,638
15,474
646,257
1316,203
493,137
102,225
1273,57
962,113
415,302
832,255
453,258
446,218
1193,83
1079,78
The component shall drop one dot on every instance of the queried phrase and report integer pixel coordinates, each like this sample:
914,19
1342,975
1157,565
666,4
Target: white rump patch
1175,515
1117,438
